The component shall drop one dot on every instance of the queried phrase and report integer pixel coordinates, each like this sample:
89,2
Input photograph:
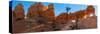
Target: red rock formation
38,12
18,22
44,15
85,13
49,13
35,10
79,15
90,9
32,12
18,12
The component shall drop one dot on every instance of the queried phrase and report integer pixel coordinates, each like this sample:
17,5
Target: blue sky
59,7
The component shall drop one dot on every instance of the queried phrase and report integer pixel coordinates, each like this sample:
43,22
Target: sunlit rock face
42,16
49,13
18,12
45,8
91,15
82,16
90,9
38,9
88,12
73,20
42,13
35,10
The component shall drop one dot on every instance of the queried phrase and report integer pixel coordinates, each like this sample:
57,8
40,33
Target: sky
58,7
